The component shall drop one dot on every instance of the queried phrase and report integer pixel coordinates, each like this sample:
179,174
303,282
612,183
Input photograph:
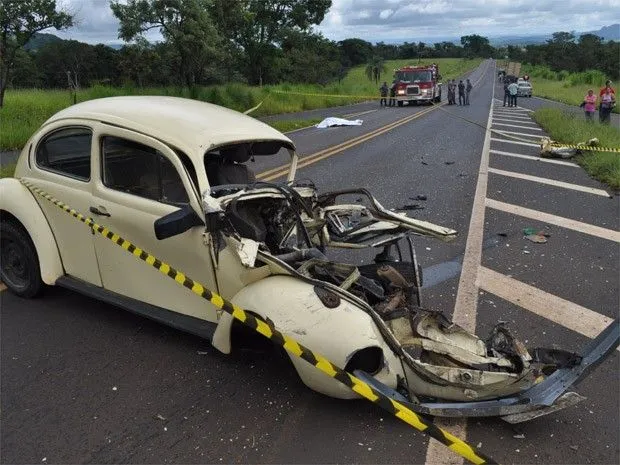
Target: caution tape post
366,391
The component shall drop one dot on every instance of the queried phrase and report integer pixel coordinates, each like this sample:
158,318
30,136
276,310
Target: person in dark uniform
461,93
468,89
393,94
506,92
384,92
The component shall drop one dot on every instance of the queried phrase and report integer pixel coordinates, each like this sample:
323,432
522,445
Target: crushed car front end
369,318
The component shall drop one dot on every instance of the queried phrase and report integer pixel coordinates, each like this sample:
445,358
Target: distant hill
40,39
608,32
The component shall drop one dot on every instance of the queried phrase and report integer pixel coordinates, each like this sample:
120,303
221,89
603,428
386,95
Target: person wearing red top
604,89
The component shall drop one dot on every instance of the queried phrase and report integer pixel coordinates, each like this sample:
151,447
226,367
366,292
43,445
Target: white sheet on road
331,121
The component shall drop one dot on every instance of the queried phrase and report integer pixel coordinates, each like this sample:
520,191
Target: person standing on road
468,89
608,102
513,89
589,105
449,92
506,92
393,94
384,91
461,93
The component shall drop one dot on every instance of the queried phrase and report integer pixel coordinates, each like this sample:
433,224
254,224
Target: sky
399,20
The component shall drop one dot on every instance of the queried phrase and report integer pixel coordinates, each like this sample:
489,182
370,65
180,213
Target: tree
19,21
260,26
355,51
476,46
185,24
374,68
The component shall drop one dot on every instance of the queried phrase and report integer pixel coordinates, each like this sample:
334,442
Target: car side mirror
177,222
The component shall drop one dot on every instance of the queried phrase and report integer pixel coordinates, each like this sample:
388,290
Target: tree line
214,41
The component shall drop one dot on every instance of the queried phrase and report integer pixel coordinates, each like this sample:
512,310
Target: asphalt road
85,382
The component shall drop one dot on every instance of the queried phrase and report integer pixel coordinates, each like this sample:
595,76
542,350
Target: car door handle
96,211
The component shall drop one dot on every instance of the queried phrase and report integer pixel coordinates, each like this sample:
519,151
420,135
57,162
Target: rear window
66,152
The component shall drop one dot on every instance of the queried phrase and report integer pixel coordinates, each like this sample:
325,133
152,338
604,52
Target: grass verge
571,129
292,125
25,110
7,171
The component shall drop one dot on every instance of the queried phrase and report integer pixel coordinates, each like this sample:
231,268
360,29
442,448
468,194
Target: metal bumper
416,97
541,399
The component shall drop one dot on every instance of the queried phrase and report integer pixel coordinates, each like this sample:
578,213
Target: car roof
192,126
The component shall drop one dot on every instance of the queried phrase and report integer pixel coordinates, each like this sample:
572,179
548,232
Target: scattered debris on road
449,162
414,206
332,121
519,436
533,235
419,197
160,417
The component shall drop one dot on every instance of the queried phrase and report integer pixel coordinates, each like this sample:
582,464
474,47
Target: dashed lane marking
563,312
517,126
550,182
527,144
534,158
560,221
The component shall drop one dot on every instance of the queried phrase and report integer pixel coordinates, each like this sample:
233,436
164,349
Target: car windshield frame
416,75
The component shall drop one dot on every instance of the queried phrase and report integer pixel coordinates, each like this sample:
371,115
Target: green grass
565,87
571,128
292,125
7,171
25,110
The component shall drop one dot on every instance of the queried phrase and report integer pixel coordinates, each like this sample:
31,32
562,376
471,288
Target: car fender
17,200
292,306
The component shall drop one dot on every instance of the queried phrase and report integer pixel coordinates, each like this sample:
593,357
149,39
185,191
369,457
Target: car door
62,165
139,180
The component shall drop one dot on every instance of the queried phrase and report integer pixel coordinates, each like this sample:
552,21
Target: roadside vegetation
571,128
26,109
562,86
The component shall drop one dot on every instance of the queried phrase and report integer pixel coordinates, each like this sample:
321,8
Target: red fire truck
418,84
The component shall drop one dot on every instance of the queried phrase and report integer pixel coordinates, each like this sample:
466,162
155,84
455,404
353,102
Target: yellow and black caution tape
592,148
259,325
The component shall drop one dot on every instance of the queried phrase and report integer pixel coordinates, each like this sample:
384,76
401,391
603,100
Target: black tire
400,103
19,263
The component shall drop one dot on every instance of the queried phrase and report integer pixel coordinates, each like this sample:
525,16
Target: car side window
141,170
66,151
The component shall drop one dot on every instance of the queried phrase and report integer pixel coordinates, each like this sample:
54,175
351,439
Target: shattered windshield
413,76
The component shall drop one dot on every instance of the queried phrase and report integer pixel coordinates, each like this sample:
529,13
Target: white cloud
412,20
385,14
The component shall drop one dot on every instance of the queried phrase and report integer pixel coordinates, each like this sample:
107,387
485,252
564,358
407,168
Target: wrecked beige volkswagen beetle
177,177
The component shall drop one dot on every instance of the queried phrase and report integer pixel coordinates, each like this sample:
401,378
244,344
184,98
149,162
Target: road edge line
467,295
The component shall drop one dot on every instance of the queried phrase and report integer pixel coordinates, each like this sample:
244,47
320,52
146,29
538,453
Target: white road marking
550,182
467,296
518,107
499,114
515,120
351,115
502,131
514,142
560,221
534,158
563,312
517,126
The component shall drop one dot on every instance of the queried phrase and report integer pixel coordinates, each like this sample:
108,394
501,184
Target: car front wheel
19,264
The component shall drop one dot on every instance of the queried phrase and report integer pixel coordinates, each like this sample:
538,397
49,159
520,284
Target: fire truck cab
417,84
